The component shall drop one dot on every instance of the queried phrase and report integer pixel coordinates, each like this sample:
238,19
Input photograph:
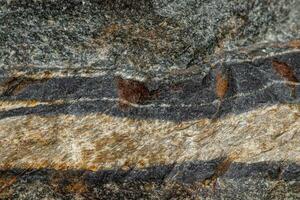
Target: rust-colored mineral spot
220,170
221,89
287,73
295,44
77,187
6,183
131,91
221,85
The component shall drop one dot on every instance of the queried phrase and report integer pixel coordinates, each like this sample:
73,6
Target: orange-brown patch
32,103
141,163
295,44
6,182
47,74
77,187
284,70
221,169
131,91
287,73
221,85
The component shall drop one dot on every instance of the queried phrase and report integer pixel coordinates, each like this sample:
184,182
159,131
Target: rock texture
145,99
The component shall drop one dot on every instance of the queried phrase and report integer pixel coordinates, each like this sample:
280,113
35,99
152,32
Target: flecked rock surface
145,99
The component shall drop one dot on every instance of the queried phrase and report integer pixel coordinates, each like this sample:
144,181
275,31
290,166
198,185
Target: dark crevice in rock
189,178
187,100
15,85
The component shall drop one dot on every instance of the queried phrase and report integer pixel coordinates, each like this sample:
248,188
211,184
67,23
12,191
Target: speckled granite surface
149,99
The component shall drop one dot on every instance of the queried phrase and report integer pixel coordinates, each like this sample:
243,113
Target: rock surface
145,99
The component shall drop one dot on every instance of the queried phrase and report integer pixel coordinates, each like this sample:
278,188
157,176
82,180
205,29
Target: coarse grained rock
149,99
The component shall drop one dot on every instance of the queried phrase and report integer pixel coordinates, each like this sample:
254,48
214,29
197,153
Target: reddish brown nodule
286,72
221,85
131,91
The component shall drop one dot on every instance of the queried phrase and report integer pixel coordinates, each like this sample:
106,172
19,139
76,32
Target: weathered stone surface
149,99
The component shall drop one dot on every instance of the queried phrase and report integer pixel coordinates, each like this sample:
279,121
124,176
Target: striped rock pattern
149,99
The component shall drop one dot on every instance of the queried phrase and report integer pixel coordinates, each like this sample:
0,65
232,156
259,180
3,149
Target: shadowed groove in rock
251,85
159,181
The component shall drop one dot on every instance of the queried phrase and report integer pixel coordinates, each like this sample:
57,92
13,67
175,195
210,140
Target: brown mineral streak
287,73
221,90
77,187
221,169
131,91
7,183
284,70
295,44
11,181
221,86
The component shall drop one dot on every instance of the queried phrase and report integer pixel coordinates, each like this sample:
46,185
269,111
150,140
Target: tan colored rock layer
98,141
